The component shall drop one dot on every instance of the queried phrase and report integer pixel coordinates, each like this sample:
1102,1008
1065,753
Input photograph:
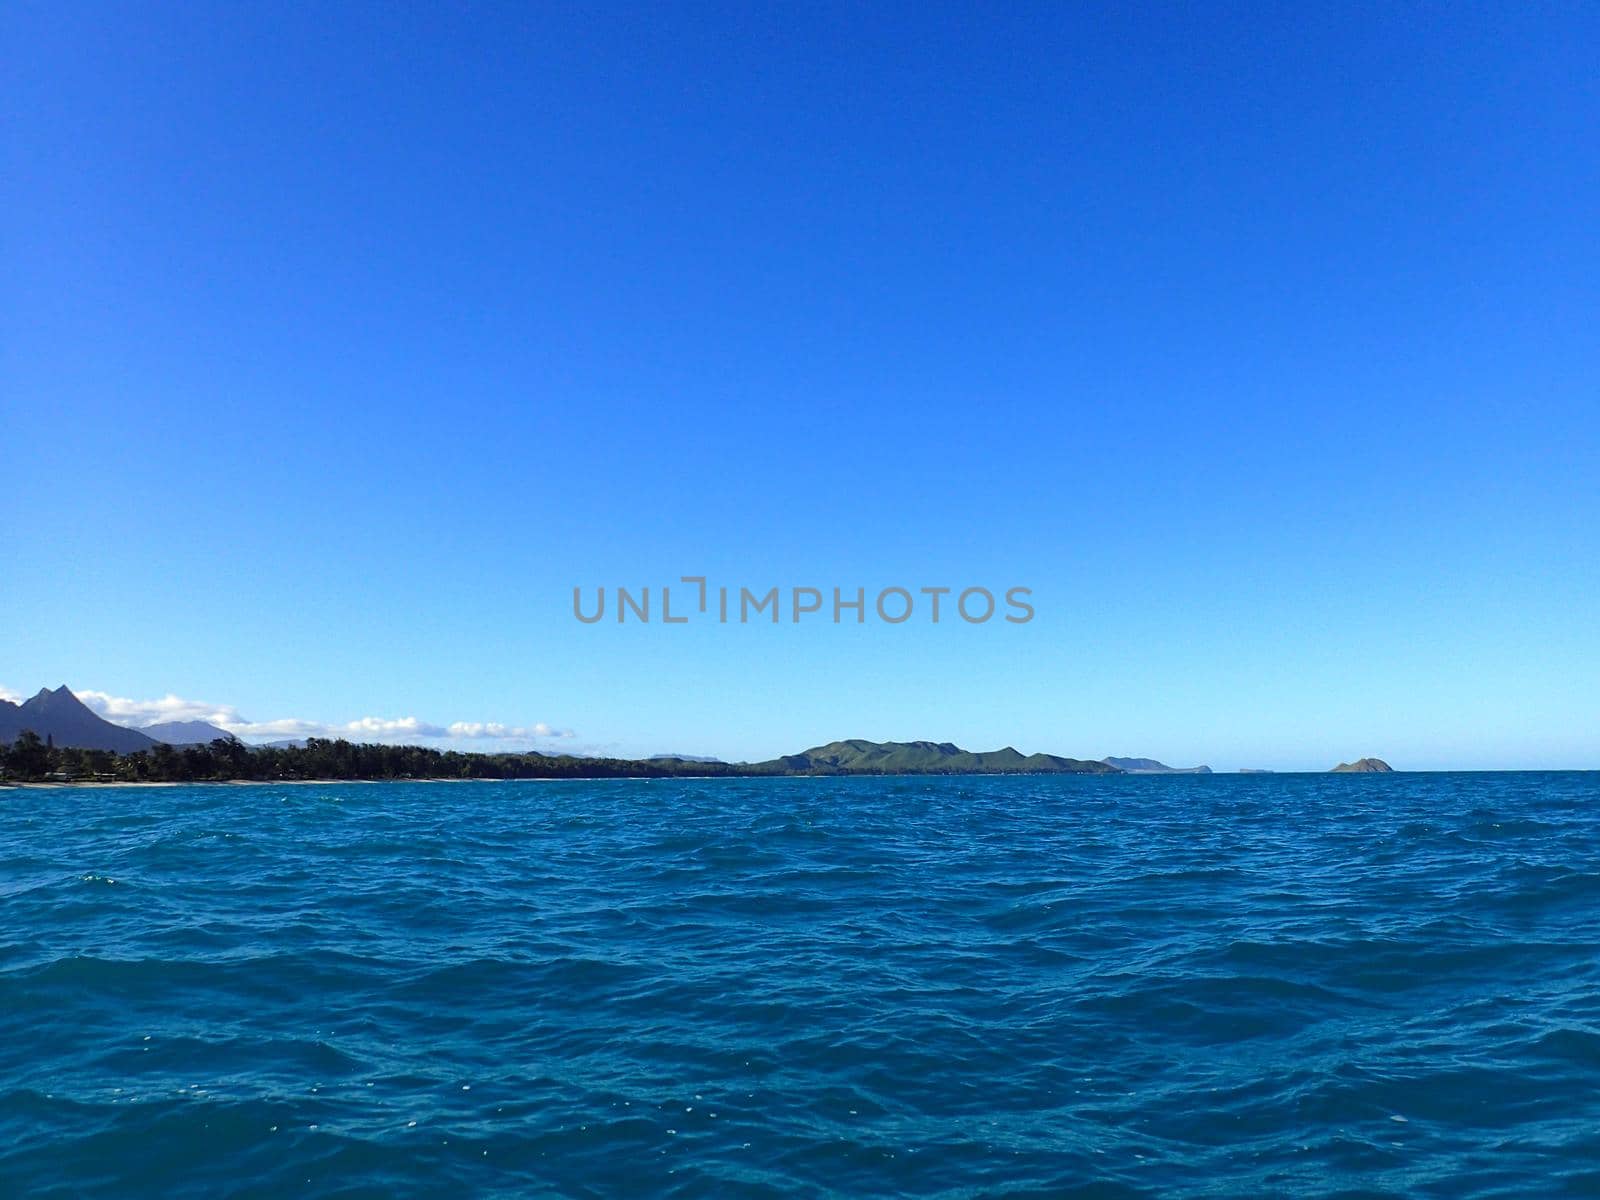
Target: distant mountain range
62,718
187,733
1149,766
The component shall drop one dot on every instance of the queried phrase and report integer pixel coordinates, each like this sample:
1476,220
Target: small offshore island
1364,766
55,738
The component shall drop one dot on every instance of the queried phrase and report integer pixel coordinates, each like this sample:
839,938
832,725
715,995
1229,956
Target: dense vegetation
29,760
857,757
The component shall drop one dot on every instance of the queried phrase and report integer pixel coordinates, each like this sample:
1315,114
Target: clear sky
1262,343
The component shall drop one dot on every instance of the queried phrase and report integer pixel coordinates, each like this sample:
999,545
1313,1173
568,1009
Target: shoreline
56,785
165,783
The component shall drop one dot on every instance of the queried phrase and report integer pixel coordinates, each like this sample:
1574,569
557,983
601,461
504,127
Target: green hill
857,757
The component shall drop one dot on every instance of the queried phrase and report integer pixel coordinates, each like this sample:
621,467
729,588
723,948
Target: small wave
934,988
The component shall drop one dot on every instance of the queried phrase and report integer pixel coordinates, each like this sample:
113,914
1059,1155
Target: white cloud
493,729
7,694
140,713
385,727
286,727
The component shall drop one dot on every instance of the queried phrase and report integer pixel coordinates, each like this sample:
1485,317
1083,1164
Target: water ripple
1191,986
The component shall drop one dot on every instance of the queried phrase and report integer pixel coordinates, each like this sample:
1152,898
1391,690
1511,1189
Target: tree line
30,760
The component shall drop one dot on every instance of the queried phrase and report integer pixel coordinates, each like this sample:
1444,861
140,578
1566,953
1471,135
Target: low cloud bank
138,714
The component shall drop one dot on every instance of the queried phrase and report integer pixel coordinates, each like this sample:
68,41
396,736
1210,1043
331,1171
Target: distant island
1362,766
1149,766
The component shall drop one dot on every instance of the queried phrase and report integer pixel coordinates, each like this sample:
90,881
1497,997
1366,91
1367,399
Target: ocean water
1293,985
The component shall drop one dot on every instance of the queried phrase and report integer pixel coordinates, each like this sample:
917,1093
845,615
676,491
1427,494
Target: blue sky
343,342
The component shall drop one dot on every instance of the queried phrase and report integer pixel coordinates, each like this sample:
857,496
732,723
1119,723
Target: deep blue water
1227,986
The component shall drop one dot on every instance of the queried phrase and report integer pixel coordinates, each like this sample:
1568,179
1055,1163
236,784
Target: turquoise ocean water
1293,985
